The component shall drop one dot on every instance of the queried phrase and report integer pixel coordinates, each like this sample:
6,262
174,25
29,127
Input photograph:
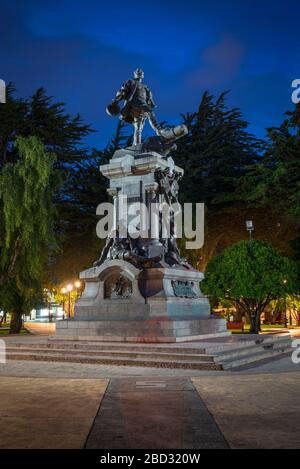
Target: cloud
76,69
220,63
81,52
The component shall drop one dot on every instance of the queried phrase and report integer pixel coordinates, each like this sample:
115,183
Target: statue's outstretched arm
123,92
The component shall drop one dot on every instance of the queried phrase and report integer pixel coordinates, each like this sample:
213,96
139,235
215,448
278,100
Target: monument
141,289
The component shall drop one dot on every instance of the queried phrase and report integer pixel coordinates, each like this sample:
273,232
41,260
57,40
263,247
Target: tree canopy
44,118
275,181
26,227
251,274
216,153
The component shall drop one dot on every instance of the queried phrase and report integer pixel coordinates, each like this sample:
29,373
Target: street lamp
249,228
69,289
64,291
285,315
77,286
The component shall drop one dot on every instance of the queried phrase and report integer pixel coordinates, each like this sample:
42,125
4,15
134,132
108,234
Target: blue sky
81,51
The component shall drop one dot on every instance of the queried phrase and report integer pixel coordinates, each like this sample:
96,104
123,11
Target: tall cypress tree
276,181
12,122
48,120
216,153
274,184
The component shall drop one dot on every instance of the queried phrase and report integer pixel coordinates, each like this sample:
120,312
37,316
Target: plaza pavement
73,405
47,412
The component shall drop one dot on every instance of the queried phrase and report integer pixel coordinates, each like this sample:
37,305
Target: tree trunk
258,328
255,322
15,323
252,324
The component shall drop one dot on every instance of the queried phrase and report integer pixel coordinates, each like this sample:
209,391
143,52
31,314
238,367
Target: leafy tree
61,134
274,184
62,299
12,122
250,274
47,120
216,153
293,303
26,227
276,181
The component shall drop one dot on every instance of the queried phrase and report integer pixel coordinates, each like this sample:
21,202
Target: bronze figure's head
138,74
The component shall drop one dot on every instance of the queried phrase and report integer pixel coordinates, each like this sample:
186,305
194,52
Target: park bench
235,325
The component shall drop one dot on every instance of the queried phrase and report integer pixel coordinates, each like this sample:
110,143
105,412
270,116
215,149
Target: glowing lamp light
64,290
77,284
69,287
249,225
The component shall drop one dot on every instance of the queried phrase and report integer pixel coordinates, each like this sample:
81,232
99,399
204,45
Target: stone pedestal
141,289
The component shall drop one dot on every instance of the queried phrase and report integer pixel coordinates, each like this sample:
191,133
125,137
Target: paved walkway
72,405
154,413
236,410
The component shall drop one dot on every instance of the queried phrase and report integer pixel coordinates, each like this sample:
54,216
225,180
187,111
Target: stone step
227,355
245,344
96,346
114,352
256,358
234,353
117,360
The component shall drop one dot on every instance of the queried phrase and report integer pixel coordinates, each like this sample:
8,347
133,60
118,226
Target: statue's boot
173,133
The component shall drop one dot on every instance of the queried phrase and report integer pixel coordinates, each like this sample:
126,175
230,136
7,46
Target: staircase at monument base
204,355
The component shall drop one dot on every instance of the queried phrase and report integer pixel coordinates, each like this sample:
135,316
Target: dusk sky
82,51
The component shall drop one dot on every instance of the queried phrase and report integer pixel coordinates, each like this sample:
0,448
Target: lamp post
69,289
285,315
249,228
64,291
77,286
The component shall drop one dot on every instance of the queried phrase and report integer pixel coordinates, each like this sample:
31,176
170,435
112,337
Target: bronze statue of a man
138,106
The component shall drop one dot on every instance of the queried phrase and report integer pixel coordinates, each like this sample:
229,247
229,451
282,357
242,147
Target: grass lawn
5,331
264,328
277,326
